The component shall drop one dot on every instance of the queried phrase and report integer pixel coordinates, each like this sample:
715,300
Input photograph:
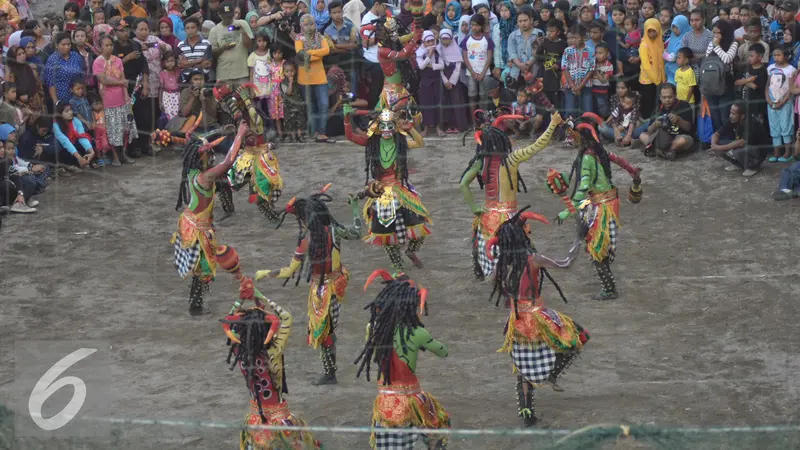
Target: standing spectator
112,86
29,85
454,118
652,64
521,46
477,52
147,109
12,15
697,39
92,6
577,66
753,36
127,8
430,64
344,36
600,82
294,119
785,18
135,67
258,62
169,79
62,66
80,43
780,112
8,112
165,27
762,15
685,78
724,46
372,67
506,25
753,83
275,98
311,46
194,51
319,9
452,16
680,26
286,19
230,41
81,109
666,19
550,54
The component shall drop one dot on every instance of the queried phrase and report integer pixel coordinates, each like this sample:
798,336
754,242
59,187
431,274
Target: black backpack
712,76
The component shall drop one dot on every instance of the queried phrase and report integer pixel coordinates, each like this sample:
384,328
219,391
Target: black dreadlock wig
192,159
252,331
395,306
314,218
372,156
410,77
494,142
589,143
514,246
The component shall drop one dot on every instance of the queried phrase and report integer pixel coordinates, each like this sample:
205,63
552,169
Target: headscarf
506,27
674,43
450,53
453,23
32,59
422,50
651,53
170,40
98,32
249,15
336,80
311,40
5,130
321,18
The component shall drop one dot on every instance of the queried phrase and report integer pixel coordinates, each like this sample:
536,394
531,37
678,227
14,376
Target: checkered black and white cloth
395,441
185,258
487,265
335,311
386,214
535,362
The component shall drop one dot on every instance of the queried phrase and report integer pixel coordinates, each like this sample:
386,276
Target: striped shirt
200,51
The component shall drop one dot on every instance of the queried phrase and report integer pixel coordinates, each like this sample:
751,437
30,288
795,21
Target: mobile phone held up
234,27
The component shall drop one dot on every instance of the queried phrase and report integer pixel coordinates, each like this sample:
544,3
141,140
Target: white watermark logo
49,384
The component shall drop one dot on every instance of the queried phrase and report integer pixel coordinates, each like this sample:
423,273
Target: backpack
712,76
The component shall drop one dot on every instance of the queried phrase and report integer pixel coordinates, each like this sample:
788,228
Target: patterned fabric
589,216
171,102
185,258
395,441
153,57
336,309
579,63
487,265
59,72
116,121
534,362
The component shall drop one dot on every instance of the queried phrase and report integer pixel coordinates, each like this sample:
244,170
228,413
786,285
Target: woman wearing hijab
652,72
680,26
454,99
724,46
507,23
29,86
452,15
321,15
311,47
430,65
165,34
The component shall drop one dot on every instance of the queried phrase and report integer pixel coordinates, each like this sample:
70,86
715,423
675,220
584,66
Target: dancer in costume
496,167
542,342
196,249
319,245
393,211
257,340
395,335
596,196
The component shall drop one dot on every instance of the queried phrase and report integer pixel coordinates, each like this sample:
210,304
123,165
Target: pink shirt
169,81
113,96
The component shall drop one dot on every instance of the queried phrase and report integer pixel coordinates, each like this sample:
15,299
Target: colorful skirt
398,216
535,337
483,229
277,415
195,247
406,407
116,122
324,306
601,216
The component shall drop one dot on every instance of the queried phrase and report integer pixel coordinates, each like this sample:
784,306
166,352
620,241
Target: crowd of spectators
84,90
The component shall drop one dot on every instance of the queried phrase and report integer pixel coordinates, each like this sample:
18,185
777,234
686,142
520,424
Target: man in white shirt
370,46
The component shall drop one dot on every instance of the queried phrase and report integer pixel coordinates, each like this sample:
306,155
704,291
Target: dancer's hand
347,110
477,210
556,119
265,273
562,216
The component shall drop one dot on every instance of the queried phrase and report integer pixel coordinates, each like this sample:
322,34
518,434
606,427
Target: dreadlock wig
494,142
372,157
250,353
385,39
394,309
192,160
588,142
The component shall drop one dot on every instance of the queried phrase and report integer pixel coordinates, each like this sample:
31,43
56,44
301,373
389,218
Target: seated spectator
499,95
741,141
8,112
789,184
670,131
193,101
623,121
71,136
16,192
35,144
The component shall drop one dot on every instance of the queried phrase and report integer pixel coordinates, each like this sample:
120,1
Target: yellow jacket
315,74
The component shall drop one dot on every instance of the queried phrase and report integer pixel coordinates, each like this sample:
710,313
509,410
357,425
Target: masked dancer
393,211
496,167
317,258
395,335
595,195
542,342
196,248
257,340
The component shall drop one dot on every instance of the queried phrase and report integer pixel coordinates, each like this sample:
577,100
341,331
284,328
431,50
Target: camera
205,92
284,25
234,27
665,122
347,98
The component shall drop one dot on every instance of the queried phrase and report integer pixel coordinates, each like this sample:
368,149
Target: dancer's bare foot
414,259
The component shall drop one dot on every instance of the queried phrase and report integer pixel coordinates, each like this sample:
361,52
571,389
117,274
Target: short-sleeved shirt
685,81
59,72
682,110
261,72
113,96
477,52
231,64
346,35
207,105
550,58
756,95
579,62
604,68
780,81
199,51
371,53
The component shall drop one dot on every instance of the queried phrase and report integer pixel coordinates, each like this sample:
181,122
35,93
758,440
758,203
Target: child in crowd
665,17
430,65
685,80
753,83
170,92
600,81
549,55
780,112
9,113
101,144
531,120
71,135
16,171
633,35
81,109
477,53
595,35
622,91
454,115
274,99
752,37
258,62
71,11
294,114
577,66
99,16
624,119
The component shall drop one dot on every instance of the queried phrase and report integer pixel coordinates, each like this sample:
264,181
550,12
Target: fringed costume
595,195
318,249
541,341
496,167
393,212
196,249
257,340
258,168
395,335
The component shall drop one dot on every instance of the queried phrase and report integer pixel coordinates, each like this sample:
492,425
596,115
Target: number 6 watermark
49,383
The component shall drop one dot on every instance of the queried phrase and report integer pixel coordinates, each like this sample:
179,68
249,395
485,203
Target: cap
491,83
227,8
789,5
122,25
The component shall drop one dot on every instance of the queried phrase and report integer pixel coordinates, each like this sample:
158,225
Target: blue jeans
606,130
575,105
720,106
790,178
641,129
601,102
317,107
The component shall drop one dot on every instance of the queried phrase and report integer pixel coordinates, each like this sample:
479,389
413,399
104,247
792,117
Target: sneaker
22,208
101,162
33,203
731,168
749,172
781,195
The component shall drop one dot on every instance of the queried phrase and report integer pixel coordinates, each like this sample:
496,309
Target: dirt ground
701,336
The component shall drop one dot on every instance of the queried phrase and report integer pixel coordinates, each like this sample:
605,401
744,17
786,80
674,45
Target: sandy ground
701,336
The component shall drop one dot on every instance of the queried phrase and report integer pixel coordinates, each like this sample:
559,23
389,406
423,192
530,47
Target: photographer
195,99
286,23
230,43
670,131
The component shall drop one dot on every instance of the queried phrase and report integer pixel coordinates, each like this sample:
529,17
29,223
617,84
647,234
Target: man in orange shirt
128,8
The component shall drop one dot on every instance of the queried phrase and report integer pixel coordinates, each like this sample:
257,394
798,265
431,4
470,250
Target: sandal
324,141
94,165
